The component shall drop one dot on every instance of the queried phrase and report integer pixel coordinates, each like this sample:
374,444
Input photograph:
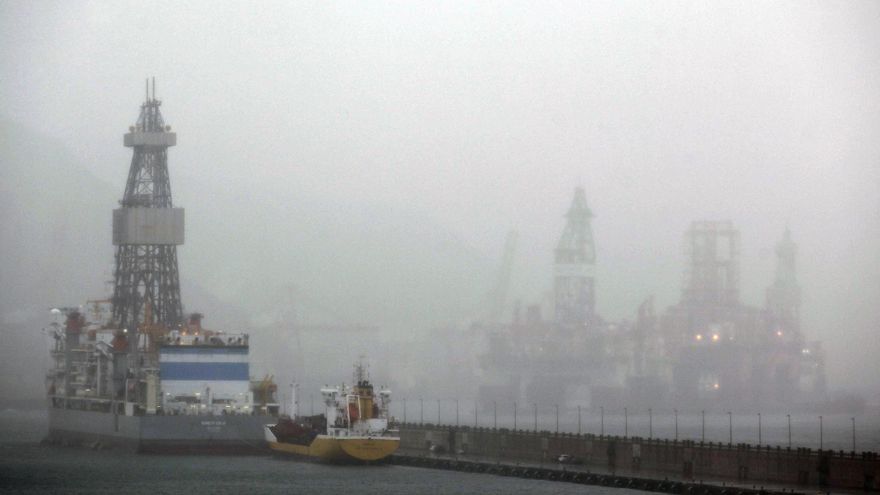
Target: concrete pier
740,464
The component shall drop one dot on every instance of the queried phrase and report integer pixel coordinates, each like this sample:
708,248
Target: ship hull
340,450
158,434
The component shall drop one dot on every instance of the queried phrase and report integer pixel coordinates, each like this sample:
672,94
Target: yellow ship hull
335,449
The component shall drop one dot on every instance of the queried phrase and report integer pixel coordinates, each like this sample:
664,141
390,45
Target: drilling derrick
784,296
710,292
575,263
147,229
712,271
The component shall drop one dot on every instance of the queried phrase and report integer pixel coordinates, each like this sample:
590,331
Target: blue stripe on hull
194,349
204,371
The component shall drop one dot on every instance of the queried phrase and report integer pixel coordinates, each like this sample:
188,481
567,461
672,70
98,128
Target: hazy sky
484,116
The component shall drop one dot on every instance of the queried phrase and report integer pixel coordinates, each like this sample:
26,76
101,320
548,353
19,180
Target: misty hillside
279,250
247,250
55,236
55,246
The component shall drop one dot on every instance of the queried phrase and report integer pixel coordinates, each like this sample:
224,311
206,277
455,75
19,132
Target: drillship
354,428
132,371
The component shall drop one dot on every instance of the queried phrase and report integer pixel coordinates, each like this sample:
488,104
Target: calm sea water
26,467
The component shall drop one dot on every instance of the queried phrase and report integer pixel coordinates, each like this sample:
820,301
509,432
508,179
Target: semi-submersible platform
133,371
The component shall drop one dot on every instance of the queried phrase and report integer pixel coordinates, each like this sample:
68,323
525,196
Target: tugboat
354,428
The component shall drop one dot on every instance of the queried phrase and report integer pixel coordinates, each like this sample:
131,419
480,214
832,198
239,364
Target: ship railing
99,404
81,398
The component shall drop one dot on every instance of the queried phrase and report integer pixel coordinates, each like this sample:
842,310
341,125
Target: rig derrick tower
575,265
784,296
147,229
710,292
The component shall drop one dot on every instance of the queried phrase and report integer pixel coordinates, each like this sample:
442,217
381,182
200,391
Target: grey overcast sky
484,116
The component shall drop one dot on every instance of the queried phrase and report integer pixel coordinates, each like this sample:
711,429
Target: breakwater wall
684,459
561,474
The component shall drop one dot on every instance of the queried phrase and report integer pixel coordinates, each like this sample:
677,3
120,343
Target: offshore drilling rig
553,360
730,352
709,348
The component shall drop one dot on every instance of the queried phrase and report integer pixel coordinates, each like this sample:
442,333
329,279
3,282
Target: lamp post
535,404
730,431
789,429
675,414
650,424
579,420
759,428
557,418
853,419
703,427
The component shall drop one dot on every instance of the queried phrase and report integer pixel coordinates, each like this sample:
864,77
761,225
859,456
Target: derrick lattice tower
711,277
575,265
784,296
147,228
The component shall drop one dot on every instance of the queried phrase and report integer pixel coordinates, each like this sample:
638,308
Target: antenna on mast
154,88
